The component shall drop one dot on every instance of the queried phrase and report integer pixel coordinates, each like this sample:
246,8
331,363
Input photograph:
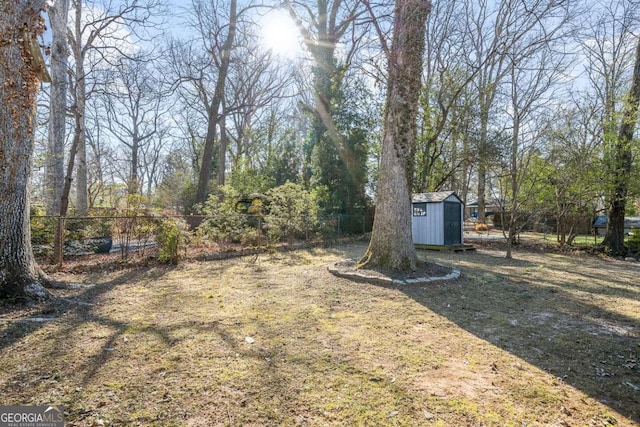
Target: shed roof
437,197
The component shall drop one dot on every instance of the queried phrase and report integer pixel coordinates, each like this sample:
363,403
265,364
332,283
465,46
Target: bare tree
152,156
217,35
134,112
100,34
54,166
529,95
391,244
212,71
256,86
21,70
536,64
496,28
446,113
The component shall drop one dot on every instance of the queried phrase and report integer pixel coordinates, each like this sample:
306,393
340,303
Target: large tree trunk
623,162
58,14
391,244
207,154
20,277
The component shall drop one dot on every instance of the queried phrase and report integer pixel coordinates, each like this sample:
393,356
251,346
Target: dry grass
542,340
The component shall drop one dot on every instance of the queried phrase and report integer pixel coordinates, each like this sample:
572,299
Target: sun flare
280,35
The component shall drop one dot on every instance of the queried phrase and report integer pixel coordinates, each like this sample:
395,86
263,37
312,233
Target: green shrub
633,241
293,212
99,223
224,223
252,237
172,236
42,229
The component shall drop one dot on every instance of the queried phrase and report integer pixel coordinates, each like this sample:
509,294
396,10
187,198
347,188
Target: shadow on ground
122,347
565,327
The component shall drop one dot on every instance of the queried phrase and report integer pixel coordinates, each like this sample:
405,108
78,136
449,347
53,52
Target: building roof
629,221
437,197
491,201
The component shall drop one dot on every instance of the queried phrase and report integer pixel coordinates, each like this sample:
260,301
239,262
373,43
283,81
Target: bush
352,224
135,224
292,212
252,237
172,237
633,241
42,229
224,223
98,224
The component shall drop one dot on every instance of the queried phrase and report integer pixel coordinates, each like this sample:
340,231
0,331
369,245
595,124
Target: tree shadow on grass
544,322
71,309
135,363
542,318
80,331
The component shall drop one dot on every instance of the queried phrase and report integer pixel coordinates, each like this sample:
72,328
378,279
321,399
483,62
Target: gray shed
436,219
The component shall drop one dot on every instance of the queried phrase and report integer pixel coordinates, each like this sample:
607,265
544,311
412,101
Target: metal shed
437,219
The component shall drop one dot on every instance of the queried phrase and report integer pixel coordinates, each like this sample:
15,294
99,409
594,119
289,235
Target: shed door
452,223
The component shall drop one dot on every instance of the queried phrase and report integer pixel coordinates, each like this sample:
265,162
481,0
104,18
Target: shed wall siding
429,230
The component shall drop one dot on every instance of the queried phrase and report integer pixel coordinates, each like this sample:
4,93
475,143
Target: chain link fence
142,235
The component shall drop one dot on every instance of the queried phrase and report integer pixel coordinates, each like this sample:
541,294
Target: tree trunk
54,178
327,77
222,152
513,175
482,160
82,192
623,162
391,244
58,256
207,154
134,182
20,277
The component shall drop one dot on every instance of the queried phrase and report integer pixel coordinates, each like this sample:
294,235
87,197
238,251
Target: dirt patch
275,339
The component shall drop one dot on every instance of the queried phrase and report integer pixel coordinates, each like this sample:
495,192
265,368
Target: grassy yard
542,340
580,240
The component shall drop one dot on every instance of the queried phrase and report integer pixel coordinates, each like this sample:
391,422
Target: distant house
436,219
600,224
491,206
